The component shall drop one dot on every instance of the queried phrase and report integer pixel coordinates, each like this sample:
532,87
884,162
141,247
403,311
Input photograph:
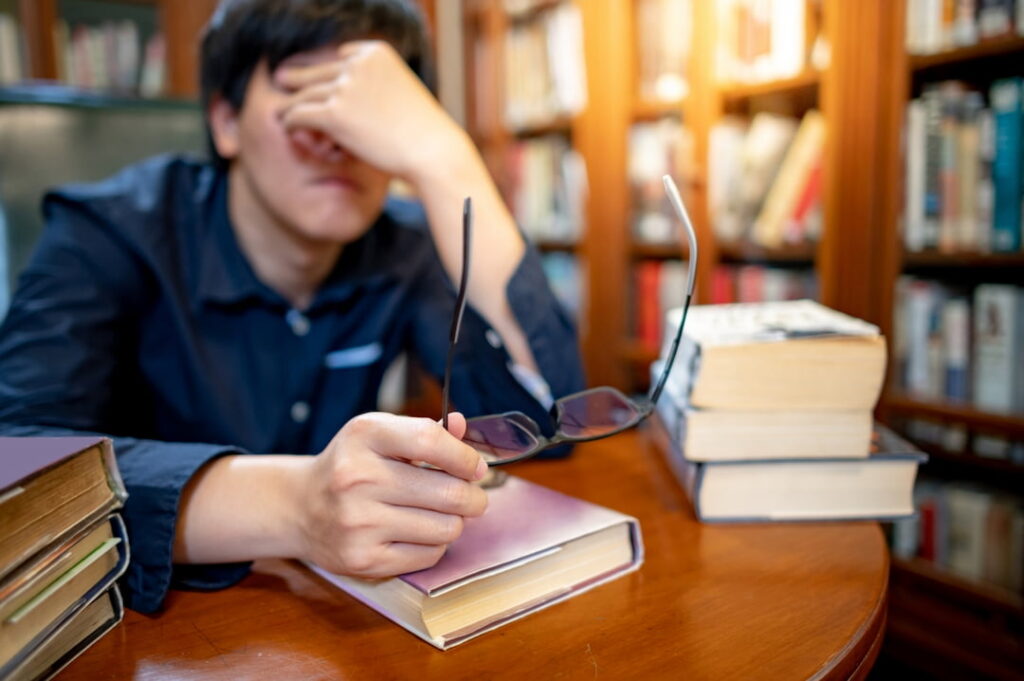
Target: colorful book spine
1006,98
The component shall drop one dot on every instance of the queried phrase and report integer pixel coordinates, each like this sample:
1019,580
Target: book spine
1006,170
996,346
956,331
932,168
914,230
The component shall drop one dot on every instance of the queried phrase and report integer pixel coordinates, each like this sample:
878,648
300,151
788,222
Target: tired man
220,318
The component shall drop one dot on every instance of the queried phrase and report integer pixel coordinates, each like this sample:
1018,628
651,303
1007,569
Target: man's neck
281,258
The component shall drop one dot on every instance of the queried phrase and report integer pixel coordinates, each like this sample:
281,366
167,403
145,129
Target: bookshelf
46,25
940,621
862,90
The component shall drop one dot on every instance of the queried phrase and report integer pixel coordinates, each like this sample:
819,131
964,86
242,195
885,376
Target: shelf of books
955,304
526,87
120,48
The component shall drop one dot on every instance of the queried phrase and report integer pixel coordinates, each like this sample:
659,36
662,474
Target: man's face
300,181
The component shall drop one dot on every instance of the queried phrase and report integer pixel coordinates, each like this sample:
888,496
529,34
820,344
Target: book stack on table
768,416
62,547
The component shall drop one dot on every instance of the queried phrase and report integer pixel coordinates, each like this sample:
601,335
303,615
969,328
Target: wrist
447,162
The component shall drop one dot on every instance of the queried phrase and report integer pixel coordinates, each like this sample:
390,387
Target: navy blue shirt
139,317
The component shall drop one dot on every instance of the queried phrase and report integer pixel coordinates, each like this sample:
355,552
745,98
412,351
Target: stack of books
768,415
62,548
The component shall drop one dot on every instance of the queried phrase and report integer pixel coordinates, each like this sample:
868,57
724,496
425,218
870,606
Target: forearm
497,246
240,508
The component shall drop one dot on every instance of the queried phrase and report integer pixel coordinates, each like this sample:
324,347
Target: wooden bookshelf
1009,425
652,251
180,22
992,47
652,111
801,84
552,246
961,261
796,254
986,595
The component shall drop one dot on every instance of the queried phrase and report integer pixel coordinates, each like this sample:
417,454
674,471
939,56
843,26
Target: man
204,313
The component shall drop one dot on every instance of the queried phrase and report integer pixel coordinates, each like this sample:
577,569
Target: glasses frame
643,406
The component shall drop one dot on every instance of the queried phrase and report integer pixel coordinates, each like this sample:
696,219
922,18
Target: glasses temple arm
460,306
691,239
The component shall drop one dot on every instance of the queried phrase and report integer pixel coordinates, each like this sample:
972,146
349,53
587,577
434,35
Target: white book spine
998,344
914,228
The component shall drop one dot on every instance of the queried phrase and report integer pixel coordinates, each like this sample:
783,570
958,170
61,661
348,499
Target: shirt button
300,412
298,321
493,338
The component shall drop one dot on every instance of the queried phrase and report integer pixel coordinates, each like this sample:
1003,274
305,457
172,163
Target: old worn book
74,636
50,488
879,486
532,548
743,434
38,597
794,355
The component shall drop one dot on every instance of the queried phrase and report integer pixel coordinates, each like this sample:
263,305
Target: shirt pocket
357,356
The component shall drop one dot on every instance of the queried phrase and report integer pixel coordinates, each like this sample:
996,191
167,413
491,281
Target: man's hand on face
370,510
369,103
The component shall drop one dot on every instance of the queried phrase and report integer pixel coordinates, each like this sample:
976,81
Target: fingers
411,486
419,440
457,425
418,526
399,558
297,77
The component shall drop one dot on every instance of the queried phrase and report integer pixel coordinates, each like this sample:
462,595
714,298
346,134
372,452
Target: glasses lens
595,413
502,437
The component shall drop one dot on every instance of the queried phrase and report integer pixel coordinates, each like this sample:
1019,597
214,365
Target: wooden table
771,601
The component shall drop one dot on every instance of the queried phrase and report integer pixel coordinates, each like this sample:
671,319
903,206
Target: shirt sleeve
59,347
483,378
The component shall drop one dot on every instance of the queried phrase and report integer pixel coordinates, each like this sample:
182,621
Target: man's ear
223,127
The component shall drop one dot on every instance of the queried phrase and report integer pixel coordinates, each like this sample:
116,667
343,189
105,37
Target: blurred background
865,153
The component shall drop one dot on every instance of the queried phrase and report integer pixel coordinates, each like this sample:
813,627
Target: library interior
807,413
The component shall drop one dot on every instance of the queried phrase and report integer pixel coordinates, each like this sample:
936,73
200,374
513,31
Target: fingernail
481,470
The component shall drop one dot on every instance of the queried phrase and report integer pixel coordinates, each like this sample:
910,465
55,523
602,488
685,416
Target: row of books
545,76
970,531
958,439
937,25
656,149
109,56
664,38
768,415
965,168
61,550
960,346
764,178
659,286
765,40
758,283
547,187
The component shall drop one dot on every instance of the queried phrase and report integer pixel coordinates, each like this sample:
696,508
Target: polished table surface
769,601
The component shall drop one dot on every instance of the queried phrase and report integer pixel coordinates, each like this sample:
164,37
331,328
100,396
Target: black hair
241,33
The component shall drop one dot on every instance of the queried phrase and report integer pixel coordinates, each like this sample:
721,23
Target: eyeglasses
580,417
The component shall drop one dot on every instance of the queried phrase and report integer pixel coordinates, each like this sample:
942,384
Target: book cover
524,530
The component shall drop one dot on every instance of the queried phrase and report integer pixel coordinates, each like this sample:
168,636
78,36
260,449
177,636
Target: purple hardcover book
532,548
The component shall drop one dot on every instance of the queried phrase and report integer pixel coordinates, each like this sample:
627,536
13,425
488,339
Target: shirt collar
226,277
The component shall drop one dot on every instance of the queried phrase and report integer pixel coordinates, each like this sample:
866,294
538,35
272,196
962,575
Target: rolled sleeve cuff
155,475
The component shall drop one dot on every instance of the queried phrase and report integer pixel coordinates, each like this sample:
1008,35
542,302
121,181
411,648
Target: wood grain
772,601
